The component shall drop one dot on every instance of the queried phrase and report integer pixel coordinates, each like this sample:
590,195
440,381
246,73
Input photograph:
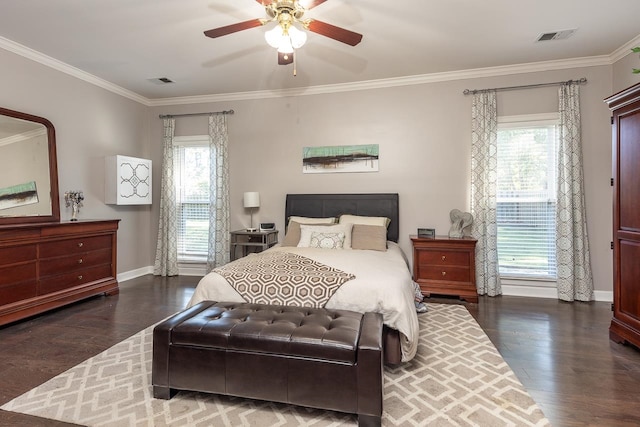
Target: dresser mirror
28,169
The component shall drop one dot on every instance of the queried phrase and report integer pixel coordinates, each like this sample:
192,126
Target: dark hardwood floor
560,351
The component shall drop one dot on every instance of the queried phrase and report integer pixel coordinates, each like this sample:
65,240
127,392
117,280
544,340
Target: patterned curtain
218,253
166,263
575,281
484,164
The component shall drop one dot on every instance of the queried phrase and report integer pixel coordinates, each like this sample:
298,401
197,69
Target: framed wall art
340,158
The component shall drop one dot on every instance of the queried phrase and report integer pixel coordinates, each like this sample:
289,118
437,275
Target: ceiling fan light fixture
274,36
298,38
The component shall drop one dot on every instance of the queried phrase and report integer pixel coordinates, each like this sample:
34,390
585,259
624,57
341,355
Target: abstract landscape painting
340,158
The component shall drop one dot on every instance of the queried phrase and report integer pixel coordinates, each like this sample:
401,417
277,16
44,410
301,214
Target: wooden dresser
48,265
625,325
445,266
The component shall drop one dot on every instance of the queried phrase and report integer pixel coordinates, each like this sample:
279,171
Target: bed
370,278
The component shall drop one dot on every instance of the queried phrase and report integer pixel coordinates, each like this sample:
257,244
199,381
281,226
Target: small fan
285,36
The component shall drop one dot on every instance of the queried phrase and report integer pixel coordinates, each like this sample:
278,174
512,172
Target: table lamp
251,201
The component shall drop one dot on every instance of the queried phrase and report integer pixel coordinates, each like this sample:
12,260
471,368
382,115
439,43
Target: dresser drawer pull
444,257
80,261
80,277
80,244
444,273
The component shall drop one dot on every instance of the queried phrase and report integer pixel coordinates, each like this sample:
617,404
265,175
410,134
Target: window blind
526,200
192,193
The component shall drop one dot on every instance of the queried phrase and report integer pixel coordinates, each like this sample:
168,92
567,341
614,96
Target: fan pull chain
295,67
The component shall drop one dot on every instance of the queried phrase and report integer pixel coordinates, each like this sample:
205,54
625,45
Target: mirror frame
53,172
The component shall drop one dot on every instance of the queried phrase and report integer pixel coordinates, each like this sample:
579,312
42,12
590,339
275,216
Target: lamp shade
251,199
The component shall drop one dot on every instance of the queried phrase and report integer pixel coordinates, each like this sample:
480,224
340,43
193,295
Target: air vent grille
161,80
556,35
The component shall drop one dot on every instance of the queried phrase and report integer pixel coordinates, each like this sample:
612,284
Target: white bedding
383,284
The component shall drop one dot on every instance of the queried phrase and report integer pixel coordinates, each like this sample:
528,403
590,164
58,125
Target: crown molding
625,49
592,61
50,62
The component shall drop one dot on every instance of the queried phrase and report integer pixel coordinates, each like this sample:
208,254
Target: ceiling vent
161,80
556,35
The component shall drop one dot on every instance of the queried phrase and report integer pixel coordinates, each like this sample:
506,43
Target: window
191,174
526,197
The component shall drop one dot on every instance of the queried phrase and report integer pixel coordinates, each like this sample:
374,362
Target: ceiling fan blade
333,32
310,4
233,28
285,58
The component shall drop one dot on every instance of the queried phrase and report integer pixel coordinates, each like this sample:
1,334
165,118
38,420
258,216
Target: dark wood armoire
625,106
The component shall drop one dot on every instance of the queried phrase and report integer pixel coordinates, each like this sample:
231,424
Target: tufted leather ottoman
321,358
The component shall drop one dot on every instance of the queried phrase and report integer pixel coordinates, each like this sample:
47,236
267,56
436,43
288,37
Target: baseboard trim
132,274
547,292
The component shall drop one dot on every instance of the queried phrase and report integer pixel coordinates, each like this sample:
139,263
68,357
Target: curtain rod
474,91
168,116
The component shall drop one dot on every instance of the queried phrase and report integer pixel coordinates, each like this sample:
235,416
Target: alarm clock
267,226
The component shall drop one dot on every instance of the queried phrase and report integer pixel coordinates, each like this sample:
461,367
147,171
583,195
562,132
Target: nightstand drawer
449,274
443,257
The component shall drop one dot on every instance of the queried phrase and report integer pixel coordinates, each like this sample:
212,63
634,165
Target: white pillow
365,220
307,220
307,230
324,240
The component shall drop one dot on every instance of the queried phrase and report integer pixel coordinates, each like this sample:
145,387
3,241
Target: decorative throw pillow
308,220
364,220
371,237
327,240
292,237
307,230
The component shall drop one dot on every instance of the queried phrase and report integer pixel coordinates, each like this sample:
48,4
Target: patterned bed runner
283,278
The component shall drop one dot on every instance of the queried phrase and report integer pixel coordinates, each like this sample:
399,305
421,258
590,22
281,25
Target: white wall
423,132
90,123
424,137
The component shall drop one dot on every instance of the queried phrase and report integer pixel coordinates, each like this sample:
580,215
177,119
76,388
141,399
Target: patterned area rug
457,378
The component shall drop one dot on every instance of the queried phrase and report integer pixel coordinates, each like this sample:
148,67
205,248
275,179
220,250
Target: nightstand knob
80,277
80,261
444,257
444,273
80,244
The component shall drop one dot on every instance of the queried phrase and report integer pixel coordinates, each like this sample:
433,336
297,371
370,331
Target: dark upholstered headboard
327,205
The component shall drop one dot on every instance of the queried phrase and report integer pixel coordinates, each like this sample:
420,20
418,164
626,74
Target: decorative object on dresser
625,324
460,223
445,266
74,199
251,200
251,241
127,181
45,263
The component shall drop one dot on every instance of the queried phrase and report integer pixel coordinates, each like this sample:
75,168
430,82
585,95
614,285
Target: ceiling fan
286,36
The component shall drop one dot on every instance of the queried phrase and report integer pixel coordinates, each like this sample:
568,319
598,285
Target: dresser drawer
74,246
52,266
18,273
69,280
15,254
442,257
13,292
449,274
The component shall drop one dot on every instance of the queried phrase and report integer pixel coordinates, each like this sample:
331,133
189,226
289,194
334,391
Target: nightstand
251,241
445,266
